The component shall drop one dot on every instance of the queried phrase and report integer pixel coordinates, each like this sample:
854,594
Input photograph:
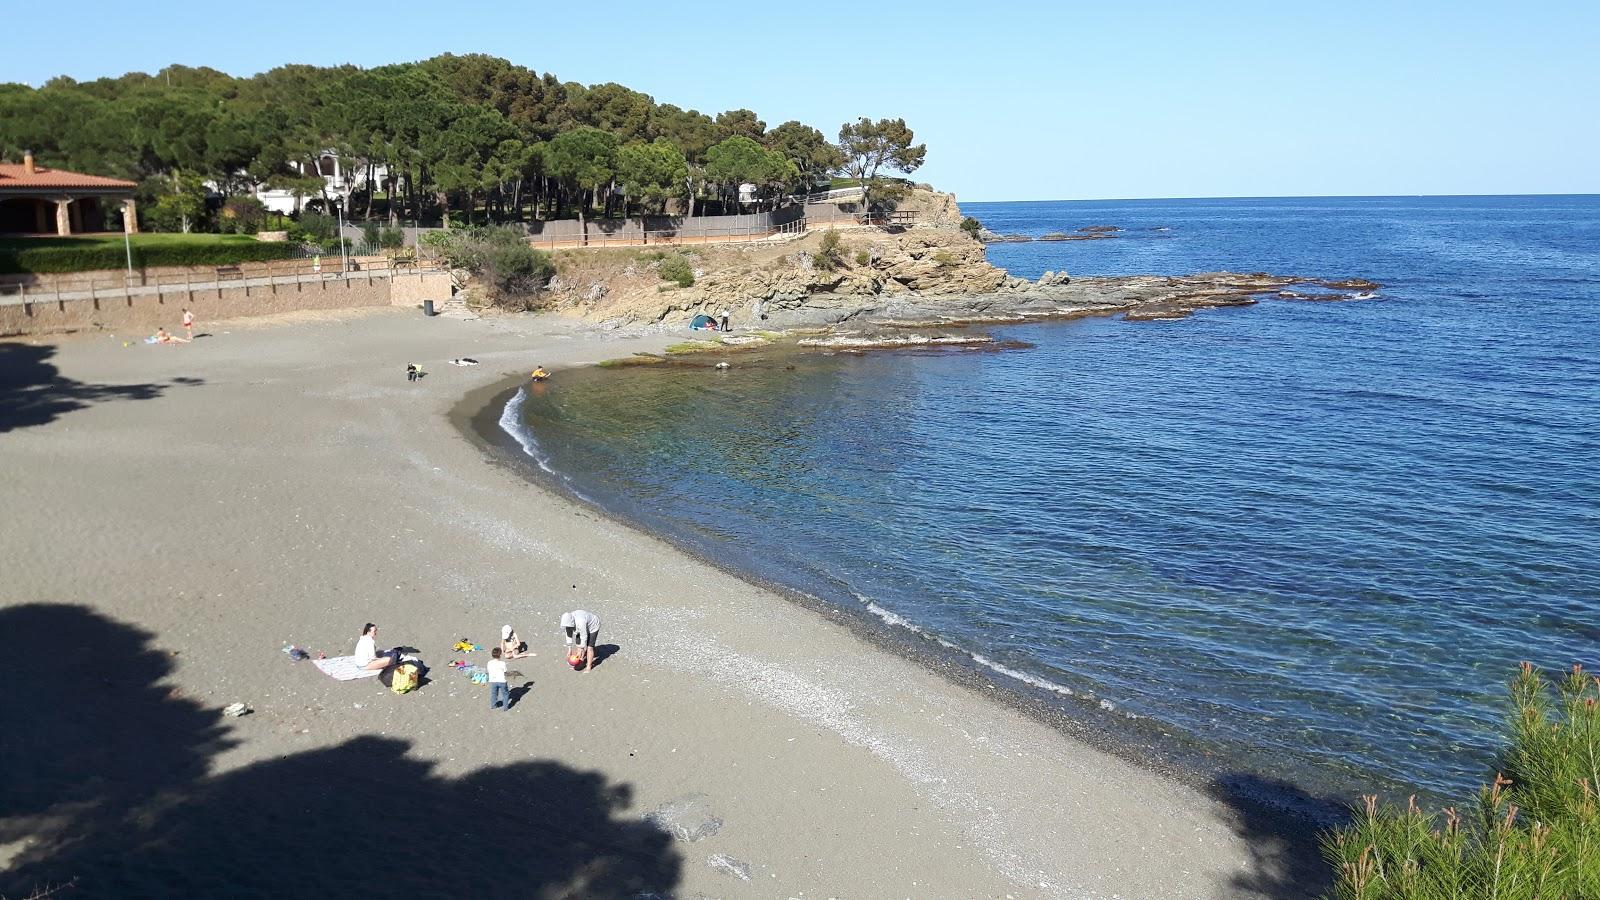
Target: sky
1015,100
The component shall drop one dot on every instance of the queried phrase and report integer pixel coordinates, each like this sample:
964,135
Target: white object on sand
235,709
343,668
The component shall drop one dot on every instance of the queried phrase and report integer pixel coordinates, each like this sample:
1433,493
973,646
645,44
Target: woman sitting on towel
367,654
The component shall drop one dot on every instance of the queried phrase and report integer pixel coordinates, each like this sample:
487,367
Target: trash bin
427,307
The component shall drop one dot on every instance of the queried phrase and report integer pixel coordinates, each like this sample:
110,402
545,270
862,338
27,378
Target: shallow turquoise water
1311,539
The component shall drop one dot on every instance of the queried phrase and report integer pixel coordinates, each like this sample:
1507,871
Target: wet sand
176,514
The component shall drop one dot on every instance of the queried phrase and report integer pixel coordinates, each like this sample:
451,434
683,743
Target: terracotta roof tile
13,177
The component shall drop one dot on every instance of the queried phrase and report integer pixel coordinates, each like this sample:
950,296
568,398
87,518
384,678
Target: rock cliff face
931,273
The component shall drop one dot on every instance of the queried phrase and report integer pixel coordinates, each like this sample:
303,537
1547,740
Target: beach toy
575,660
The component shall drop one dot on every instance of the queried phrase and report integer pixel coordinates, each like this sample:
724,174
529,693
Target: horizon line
1289,197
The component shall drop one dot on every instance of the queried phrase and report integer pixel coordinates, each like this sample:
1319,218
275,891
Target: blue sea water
1309,540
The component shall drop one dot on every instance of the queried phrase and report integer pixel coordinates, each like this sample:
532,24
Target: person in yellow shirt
539,373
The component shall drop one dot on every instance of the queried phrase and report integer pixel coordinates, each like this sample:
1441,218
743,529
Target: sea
1304,541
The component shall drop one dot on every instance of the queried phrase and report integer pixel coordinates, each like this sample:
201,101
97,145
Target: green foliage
652,172
47,255
459,133
869,146
1533,833
501,256
583,157
369,233
863,257
971,226
676,268
316,228
945,258
242,215
827,257
392,238
807,149
738,160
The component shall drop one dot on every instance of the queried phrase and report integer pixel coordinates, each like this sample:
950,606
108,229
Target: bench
224,272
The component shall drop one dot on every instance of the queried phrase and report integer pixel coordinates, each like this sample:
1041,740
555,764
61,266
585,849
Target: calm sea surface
1310,540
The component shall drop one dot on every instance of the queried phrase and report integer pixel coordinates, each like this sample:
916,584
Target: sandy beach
175,515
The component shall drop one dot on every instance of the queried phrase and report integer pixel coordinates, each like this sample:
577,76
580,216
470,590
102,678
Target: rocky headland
890,279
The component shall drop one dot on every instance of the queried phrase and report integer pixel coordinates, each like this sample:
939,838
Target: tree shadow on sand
33,391
1281,825
104,773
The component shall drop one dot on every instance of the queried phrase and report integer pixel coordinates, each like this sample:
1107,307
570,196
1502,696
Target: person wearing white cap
511,646
583,632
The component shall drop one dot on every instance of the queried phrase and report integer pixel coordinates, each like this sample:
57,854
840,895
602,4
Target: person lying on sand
164,337
367,654
583,632
511,646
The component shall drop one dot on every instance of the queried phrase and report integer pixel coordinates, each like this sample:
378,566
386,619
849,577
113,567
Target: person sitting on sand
539,373
583,631
367,654
165,337
511,646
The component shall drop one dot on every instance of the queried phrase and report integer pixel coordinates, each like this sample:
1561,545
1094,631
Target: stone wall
141,314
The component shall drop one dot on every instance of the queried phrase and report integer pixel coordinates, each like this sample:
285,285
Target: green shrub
369,233
501,256
971,226
944,258
1533,833
315,227
828,257
242,215
676,268
863,257
392,238
88,256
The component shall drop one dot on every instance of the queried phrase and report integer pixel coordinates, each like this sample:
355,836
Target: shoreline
314,487
478,417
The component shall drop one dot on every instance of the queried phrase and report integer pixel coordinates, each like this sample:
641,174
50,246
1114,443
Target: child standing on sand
499,693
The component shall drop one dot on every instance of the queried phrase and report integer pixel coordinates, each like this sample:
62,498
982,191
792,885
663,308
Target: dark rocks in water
1099,229
990,237
1054,236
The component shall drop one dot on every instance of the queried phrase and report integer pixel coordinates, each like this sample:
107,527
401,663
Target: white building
338,183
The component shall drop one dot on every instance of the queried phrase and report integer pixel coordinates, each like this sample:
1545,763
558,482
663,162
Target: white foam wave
1043,684
511,423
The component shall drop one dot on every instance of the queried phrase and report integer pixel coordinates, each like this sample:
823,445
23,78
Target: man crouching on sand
583,630
367,654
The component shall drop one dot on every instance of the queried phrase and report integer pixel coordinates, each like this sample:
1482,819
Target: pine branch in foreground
1532,834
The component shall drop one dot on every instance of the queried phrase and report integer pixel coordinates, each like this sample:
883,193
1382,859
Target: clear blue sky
1016,101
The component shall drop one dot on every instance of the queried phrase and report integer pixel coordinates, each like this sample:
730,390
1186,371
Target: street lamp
344,260
127,246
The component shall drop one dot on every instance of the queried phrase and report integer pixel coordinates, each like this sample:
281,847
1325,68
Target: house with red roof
35,199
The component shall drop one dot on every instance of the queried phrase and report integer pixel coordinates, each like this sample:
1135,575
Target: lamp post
344,260
127,247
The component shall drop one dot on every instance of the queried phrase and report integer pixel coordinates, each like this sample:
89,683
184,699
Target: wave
512,424
895,620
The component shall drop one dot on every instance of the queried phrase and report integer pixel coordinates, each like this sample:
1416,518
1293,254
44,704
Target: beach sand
174,515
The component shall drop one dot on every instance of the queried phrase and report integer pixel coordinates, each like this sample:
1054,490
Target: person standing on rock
722,319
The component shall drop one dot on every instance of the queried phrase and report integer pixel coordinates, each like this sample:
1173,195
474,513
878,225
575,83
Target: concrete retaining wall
142,313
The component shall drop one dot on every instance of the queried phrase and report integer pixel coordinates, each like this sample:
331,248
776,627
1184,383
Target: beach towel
343,668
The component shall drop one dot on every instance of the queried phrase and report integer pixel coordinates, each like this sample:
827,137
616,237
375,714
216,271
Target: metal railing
735,234
114,286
